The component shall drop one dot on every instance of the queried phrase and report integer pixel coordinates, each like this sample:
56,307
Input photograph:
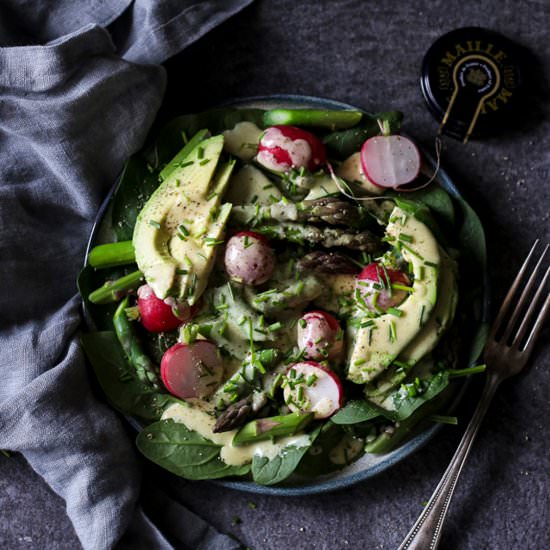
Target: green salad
281,292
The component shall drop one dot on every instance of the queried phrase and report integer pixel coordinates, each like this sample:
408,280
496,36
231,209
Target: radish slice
319,335
284,147
377,291
160,315
191,370
310,387
390,161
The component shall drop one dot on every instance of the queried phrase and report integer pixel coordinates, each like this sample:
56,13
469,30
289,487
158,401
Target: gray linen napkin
74,104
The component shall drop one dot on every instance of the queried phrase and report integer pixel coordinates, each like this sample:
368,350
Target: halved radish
390,161
191,370
248,258
284,147
160,315
319,335
376,286
310,387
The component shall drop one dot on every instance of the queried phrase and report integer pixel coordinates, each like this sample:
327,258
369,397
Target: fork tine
523,298
530,312
529,345
508,299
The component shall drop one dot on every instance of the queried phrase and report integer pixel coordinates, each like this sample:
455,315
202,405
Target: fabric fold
71,112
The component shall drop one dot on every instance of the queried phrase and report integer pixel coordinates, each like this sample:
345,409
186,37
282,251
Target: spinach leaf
477,342
354,412
471,237
184,452
171,138
266,471
136,185
317,461
343,143
405,404
436,199
118,381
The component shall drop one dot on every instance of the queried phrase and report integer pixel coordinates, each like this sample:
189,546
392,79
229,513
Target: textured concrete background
369,54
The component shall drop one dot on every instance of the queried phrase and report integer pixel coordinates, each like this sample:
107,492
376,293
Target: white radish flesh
191,370
310,387
390,161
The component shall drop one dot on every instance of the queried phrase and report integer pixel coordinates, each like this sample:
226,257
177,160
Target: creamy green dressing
198,417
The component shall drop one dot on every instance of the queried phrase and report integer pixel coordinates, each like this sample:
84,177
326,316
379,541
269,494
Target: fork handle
426,532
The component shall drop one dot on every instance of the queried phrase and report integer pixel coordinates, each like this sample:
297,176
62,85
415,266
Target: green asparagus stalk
326,236
145,369
274,426
331,210
334,120
247,377
111,291
111,255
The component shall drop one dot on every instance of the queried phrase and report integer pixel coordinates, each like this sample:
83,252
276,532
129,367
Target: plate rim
338,480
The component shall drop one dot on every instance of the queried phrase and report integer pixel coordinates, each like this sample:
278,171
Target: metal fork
507,350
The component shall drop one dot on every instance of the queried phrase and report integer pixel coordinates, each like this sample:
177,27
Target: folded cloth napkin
75,102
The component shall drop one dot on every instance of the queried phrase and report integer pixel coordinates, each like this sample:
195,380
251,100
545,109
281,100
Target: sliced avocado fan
180,227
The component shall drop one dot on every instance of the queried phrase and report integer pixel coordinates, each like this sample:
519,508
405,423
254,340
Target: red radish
284,147
191,370
319,335
390,161
248,258
160,315
310,387
374,285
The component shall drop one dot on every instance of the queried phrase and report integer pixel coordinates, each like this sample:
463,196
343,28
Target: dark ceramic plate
368,465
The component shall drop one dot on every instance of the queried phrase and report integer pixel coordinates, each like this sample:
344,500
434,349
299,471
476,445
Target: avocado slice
375,347
178,230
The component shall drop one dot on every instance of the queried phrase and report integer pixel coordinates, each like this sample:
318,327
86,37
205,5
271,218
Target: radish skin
390,161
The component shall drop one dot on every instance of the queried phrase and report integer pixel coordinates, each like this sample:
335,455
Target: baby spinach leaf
266,471
136,185
172,137
117,380
184,452
354,412
317,461
437,200
471,238
405,404
343,143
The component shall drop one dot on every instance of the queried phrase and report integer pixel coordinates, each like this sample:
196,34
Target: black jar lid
471,80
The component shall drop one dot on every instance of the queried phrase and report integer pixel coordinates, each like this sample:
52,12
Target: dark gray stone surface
369,54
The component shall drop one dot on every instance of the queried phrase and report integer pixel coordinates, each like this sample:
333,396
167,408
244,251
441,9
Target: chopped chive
302,323
186,163
275,326
154,224
442,419
406,238
311,379
466,372
203,162
430,264
397,286
395,311
200,152
183,230
366,324
181,271
414,253
360,362
392,332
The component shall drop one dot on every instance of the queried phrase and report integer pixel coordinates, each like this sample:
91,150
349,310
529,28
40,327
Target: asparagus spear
327,237
334,120
274,426
111,291
234,416
326,262
331,210
247,377
145,370
111,254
